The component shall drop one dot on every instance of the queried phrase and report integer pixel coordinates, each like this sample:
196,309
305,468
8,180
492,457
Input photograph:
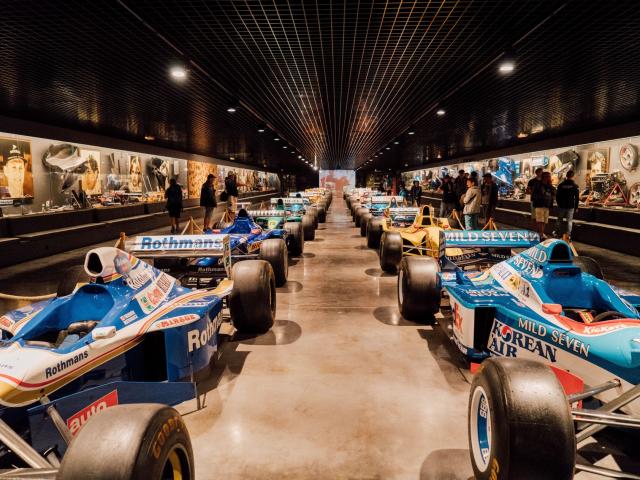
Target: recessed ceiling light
232,158
285,147
231,109
507,66
396,142
262,128
315,168
178,73
299,156
411,131
440,112
149,137
388,148
276,139
523,135
406,164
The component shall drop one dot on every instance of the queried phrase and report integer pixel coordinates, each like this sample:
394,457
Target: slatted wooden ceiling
338,80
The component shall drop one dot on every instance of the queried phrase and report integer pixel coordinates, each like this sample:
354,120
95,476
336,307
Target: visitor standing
531,186
208,200
542,200
568,199
472,204
489,196
449,199
416,193
404,193
460,188
231,187
173,195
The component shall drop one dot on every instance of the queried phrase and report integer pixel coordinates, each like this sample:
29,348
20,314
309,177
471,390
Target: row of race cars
88,378
555,348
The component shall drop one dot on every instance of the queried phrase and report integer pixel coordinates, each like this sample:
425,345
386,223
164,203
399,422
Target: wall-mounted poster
597,160
91,177
197,173
16,177
158,174
337,179
135,174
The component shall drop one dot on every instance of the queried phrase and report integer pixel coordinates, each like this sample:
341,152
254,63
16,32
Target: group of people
543,194
173,196
413,196
468,197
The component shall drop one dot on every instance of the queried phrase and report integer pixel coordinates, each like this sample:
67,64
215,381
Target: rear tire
123,442
313,211
374,232
274,251
322,214
515,405
390,251
308,227
589,265
364,222
419,289
359,213
296,236
253,299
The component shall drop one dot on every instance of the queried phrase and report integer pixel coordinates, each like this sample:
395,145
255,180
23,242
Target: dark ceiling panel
337,79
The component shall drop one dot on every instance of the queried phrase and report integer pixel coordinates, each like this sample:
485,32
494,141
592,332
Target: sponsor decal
137,277
6,323
176,321
566,341
129,317
508,342
536,253
179,242
251,247
216,269
457,318
199,338
501,271
526,266
76,421
64,364
492,237
600,329
162,435
154,294
487,292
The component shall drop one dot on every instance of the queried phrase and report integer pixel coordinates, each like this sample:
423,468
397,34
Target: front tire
374,232
520,424
274,251
308,227
313,211
322,214
364,222
296,237
419,289
390,251
123,442
253,299
358,215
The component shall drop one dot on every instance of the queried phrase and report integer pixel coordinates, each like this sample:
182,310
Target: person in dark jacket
208,200
460,188
449,198
231,186
542,198
567,198
531,186
489,191
416,193
173,195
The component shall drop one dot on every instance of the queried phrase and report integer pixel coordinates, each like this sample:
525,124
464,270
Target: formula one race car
294,208
420,238
84,373
310,205
247,241
375,207
392,219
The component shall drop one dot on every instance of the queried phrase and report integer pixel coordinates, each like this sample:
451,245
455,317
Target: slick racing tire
589,265
296,238
313,211
69,281
135,441
364,222
374,232
308,227
252,302
419,289
358,215
322,214
274,251
390,251
520,424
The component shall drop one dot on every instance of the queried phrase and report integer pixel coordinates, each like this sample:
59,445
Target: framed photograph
16,177
135,173
91,183
597,161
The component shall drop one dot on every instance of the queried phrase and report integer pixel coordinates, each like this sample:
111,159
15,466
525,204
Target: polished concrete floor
342,387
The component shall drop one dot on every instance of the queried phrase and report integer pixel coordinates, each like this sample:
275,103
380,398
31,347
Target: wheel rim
480,429
400,280
174,468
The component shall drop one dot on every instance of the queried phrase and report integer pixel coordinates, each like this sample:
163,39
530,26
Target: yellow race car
398,237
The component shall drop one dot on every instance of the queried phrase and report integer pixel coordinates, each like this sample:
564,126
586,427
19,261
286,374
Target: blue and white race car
132,335
375,207
543,307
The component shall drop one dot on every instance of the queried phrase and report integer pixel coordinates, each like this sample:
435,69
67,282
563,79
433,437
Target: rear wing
487,239
267,213
288,201
181,246
387,198
404,212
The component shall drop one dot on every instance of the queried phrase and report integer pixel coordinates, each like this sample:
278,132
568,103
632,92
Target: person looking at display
173,194
568,199
208,200
448,203
472,204
489,192
404,193
460,188
531,186
416,193
231,186
542,199
14,171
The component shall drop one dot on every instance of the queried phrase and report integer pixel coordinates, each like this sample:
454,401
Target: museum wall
40,174
605,167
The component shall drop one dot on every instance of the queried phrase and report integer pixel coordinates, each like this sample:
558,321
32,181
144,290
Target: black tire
516,404
136,441
322,214
296,238
589,265
359,213
252,302
374,232
70,279
274,251
308,227
313,211
390,251
419,289
364,223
